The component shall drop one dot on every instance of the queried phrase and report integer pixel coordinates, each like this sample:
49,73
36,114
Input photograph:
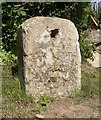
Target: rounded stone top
41,23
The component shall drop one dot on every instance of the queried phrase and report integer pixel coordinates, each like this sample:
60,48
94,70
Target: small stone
39,116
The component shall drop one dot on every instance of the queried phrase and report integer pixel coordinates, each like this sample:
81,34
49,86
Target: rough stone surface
95,36
96,62
49,56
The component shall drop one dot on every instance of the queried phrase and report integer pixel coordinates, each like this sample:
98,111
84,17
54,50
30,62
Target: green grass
11,89
15,102
89,82
44,100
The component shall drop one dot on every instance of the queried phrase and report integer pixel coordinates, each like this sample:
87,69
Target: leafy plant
87,47
44,100
13,16
6,57
86,50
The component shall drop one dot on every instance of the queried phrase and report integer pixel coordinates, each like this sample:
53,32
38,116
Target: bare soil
71,108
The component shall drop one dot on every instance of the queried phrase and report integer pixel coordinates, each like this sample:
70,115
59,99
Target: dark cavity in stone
54,33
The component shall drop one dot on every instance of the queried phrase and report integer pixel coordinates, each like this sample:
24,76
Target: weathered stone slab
49,56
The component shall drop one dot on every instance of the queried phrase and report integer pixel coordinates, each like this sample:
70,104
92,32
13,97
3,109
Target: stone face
49,56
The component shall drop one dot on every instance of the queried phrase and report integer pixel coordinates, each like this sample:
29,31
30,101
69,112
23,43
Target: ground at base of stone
69,108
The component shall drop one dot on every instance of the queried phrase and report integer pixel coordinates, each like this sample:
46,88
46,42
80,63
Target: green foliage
86,50
7,57
13,16
44,100
12,90
16,103
86,47
81,17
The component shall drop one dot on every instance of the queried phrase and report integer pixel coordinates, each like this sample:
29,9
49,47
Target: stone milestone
49,56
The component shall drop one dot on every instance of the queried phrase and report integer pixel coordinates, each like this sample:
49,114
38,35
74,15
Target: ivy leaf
23,13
